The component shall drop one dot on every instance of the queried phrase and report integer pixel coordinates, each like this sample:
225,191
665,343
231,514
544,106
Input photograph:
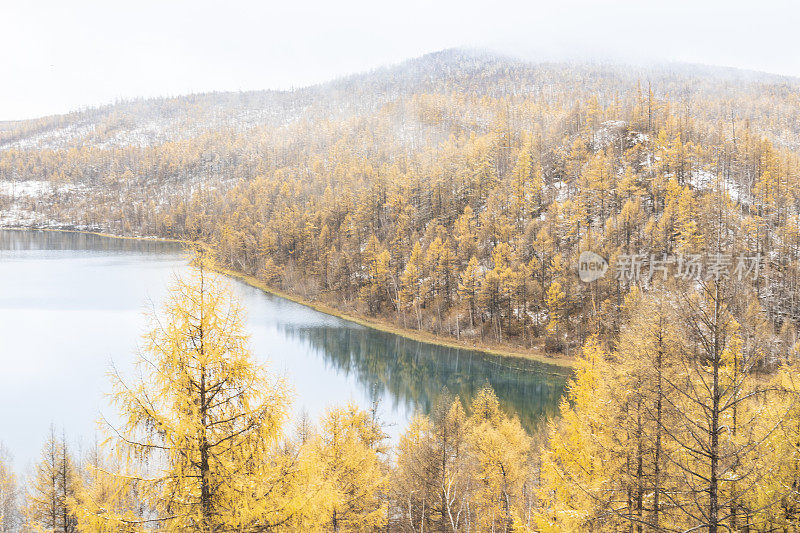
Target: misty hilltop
742,94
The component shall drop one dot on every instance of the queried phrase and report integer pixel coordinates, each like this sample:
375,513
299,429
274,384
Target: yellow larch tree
109,502
205,413
556,302
9,495
500,449
55,481
410,294
350,454
432,482
469,286
575,474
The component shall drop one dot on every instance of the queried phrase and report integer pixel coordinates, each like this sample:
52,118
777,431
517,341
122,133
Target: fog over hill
144,122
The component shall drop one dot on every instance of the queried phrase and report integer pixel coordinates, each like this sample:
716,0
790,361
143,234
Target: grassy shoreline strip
380,325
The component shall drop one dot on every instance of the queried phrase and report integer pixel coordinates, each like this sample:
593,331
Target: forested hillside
643,223
452,193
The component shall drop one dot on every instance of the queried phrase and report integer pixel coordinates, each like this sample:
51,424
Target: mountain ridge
441,72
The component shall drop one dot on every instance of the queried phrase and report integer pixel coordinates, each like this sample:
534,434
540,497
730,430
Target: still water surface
71,303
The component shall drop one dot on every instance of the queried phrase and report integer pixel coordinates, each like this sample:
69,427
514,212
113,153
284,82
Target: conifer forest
633,227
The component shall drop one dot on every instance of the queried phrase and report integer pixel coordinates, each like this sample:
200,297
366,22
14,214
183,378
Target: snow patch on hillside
616,131
53,138
609,132
32,188
703,180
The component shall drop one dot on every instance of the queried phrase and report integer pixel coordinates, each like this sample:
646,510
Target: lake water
72,303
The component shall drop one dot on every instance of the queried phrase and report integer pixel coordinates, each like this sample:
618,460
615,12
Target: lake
72,303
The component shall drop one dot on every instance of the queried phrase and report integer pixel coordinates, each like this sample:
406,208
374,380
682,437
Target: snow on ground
25,194
52,138
701,180
612,131
704,180
562,191
14,216
608,133
18,217
32,188
636,137
142,135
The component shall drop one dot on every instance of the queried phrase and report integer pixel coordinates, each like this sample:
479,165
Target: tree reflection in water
416,373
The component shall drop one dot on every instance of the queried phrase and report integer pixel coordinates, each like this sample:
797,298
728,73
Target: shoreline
562,363
385,326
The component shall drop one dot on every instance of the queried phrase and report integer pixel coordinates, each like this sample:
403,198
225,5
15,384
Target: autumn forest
453,198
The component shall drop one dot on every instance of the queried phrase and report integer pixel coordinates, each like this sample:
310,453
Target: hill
452,193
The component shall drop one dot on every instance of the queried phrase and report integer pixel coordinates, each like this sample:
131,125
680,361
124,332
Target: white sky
58,56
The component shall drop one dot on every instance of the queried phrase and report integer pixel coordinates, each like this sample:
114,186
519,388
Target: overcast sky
58,56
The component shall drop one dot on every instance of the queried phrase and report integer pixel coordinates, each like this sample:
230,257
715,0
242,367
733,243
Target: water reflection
18,241
416,373
71,302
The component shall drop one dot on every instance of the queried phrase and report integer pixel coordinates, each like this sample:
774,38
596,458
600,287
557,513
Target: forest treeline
451,195
675,426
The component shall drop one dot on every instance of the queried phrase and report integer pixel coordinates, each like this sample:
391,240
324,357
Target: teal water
71,304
